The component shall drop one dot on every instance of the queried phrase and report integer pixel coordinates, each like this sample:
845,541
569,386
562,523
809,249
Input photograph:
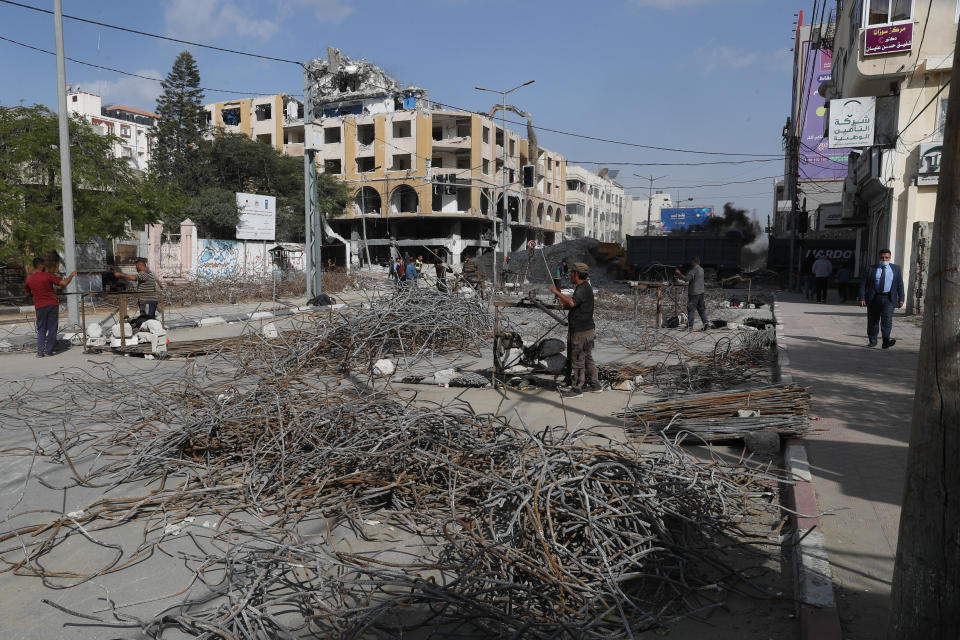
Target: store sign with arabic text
891,38
852,122
928,171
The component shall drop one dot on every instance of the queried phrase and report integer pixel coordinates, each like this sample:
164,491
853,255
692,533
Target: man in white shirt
822,270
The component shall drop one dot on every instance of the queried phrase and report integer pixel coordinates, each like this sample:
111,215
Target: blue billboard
682,218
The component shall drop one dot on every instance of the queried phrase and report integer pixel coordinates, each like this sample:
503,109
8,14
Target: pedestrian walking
411,274
147,287
881,289
844,276
46,305
560,272
581,333
395,272
822,270
695,293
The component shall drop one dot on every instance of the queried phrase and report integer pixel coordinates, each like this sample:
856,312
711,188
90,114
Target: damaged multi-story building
425,179
276,120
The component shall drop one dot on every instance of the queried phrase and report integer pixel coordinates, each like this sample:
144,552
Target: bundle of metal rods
518,533
723,416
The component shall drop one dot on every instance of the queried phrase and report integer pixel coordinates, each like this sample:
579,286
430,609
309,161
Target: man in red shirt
40,285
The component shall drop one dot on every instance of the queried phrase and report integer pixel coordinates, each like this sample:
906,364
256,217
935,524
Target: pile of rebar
715,417
518,534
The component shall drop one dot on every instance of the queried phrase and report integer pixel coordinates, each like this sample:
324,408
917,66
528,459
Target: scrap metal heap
288,474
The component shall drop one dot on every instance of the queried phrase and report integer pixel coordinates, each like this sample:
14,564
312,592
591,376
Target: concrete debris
384,367
269,331
339,78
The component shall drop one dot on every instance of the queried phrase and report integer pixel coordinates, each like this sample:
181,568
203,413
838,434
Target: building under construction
425,179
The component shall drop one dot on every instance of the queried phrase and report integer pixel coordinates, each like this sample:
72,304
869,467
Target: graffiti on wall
218,258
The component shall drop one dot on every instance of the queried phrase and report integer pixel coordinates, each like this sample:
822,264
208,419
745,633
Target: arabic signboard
258,216
817,160
891,38
852,122
929,170
685,217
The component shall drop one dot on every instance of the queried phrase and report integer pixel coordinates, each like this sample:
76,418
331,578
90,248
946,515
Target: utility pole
925,595
314,268
649,197
506,214
793,149
66,170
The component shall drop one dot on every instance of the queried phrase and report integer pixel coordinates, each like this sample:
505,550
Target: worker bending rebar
581,333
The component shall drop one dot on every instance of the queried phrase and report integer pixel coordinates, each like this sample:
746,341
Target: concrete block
763,442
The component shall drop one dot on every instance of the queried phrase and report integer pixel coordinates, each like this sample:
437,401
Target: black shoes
889,343
872,343
593,388
572,392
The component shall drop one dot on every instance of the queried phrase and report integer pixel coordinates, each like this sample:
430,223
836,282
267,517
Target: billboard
817,160
890,38
258,216
928,171
852,121
685,217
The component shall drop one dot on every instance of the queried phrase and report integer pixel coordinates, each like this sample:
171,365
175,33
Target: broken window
438,133
231,116
331,135
549,164
436,162
486,167
365,165
402,129
498,165
463,161
332,166
264,111
463,128
401,162
208,117
499,137
365,134
486,135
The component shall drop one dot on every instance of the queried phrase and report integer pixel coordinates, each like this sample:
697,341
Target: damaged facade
595,204
276,120
425,180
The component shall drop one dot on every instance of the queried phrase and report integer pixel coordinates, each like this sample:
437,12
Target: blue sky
695,74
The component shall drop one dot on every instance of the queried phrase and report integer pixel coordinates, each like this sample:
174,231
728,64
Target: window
513,177
332,166
486,130
125,130
230,117
73,98
463,128
401,162
513,147
486,167
266,138
549,187
463,161
436,162
499,137
402,129
331,135
264,112
365,165
887,11
365,134
207,117
549,164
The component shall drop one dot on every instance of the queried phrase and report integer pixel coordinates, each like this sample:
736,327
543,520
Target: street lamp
506,214
649,197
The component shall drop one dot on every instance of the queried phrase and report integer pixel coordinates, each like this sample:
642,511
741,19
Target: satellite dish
69,86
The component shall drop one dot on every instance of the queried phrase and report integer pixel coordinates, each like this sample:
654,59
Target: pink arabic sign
891,38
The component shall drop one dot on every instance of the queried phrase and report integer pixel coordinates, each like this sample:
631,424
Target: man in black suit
880,290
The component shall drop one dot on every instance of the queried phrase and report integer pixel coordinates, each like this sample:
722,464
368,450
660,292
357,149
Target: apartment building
595,205
641,207
130,125
276,120
427,180
901,55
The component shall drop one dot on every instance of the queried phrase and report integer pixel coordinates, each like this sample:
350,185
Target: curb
812,577
203,321
16,310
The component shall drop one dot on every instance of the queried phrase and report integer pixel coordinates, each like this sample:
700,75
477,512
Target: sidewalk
864,398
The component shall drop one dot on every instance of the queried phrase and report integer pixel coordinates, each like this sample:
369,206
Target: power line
154,35
700,186
120,71
672,164
284,60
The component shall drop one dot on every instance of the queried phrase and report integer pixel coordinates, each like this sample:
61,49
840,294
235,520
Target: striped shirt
147,283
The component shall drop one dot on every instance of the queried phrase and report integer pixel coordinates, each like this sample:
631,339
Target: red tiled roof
142,112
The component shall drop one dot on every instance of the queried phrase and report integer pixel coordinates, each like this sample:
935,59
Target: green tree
179,131
109,195
231,163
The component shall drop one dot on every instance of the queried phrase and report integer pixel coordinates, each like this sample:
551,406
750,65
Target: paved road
865,399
